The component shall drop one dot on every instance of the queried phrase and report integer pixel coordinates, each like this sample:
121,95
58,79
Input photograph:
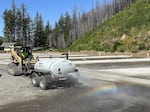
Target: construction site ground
117,84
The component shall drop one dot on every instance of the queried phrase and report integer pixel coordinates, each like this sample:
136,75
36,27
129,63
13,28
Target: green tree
61,23
48,34
24,22
9,25
67,26
16,25
74,25
1,41
39,34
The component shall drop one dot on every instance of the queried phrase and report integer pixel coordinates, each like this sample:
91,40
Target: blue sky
49,9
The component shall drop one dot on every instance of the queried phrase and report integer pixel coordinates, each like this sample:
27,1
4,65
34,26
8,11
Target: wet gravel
124,99
90,95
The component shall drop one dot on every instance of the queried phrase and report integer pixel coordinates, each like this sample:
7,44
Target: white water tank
56,66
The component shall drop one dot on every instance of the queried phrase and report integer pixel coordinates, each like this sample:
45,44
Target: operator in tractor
24,54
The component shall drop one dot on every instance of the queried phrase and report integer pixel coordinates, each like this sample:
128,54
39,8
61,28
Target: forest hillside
20,28
127,30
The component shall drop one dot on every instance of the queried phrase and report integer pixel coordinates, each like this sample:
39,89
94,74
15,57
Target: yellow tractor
22,61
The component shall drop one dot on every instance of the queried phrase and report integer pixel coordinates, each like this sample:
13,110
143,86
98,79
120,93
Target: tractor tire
12,69
43,83
35,79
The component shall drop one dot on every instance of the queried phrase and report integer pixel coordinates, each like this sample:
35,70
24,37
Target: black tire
12,69
43,83
35,79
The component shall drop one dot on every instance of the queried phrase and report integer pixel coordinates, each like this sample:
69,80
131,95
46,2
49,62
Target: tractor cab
24,52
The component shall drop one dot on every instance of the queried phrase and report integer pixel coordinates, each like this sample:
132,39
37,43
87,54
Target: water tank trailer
53,72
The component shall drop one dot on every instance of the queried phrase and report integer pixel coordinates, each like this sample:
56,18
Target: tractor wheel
35,79
12,69
43,83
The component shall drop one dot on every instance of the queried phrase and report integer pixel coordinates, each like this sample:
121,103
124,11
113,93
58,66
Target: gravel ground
91,95
19,88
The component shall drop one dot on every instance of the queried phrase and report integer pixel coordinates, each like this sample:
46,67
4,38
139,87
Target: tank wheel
12,69
43,83
35,79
